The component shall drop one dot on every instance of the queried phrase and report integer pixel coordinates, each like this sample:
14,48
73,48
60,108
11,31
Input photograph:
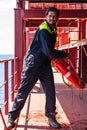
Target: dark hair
52,9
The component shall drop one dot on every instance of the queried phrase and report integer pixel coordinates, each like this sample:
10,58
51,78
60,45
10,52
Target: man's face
52,18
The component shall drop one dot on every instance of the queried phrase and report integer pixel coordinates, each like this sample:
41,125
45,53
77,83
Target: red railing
26,4
8,78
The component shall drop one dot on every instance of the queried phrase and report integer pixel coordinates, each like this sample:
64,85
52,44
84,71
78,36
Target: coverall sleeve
47,46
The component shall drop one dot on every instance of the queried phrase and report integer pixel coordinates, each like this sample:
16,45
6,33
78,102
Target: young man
37,66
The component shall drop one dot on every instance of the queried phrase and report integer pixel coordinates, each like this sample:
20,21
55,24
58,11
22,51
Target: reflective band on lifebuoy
67,74
68,67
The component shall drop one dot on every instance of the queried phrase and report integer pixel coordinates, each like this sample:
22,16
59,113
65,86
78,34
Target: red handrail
8,78
3,120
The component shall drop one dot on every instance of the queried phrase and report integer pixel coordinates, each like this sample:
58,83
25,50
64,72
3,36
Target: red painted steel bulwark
65,14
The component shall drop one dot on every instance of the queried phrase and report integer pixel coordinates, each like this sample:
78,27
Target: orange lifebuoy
68,72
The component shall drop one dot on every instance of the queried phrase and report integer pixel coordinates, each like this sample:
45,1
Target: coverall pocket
29,61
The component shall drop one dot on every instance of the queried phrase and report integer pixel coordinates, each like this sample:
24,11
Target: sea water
2,57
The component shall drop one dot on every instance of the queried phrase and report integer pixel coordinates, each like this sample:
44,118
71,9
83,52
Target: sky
7,26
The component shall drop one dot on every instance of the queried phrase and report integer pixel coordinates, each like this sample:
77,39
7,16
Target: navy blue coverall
37,66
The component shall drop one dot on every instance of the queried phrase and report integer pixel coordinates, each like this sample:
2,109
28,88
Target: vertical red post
12,83
6,87
84,29
19,50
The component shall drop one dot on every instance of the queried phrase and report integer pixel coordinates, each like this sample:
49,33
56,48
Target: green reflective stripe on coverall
44,25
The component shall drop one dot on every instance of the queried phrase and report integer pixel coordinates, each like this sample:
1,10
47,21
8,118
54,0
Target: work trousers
30,75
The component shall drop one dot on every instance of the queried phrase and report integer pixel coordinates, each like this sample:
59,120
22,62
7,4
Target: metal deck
71,108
